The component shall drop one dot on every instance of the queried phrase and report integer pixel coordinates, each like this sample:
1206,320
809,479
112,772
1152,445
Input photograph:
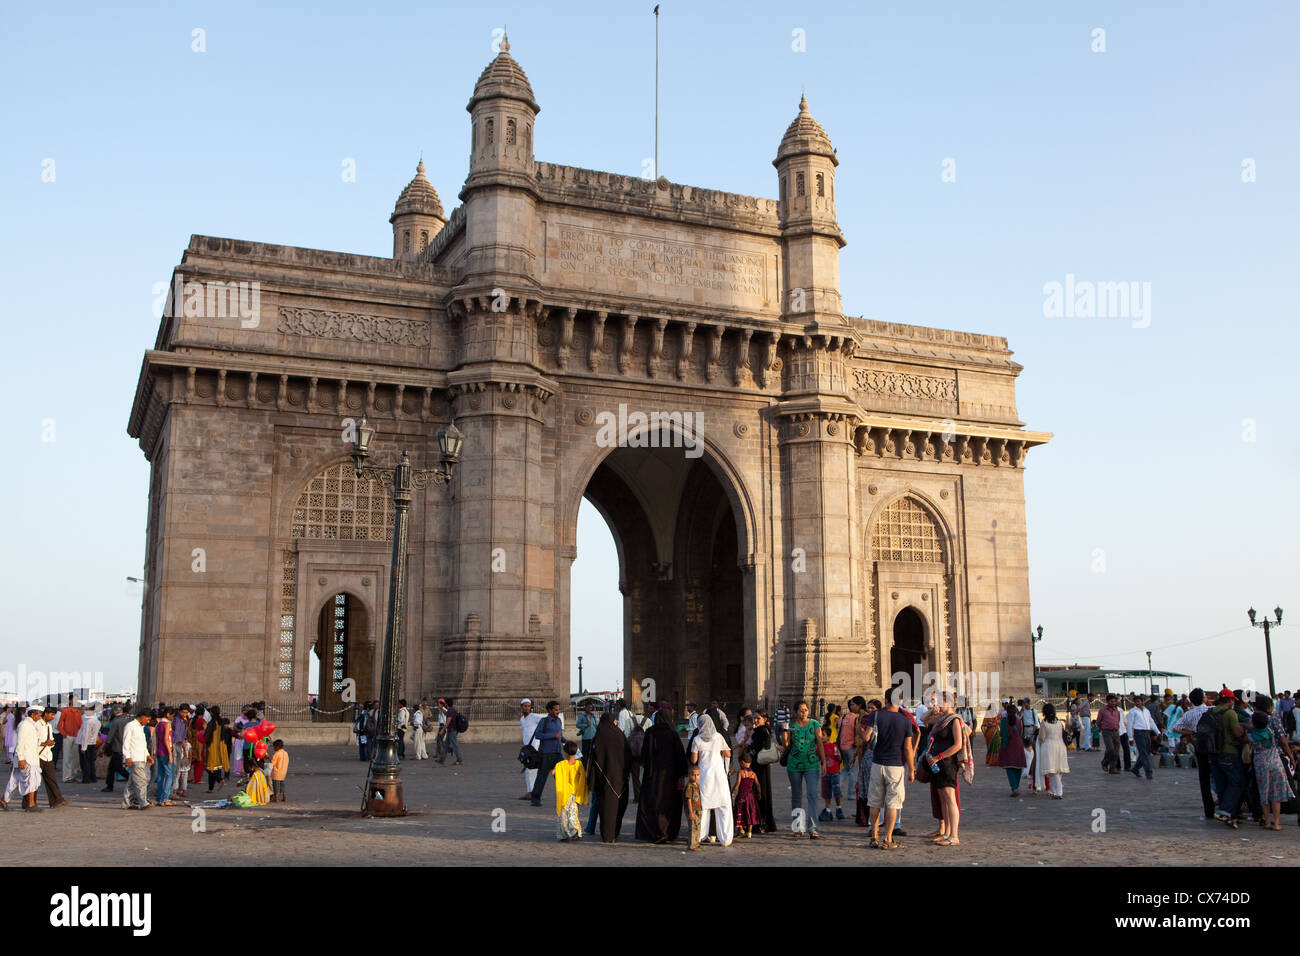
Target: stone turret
805,164
417,217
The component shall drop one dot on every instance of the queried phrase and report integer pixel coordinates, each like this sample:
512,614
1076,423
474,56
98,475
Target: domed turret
502,112
417,217
504,78
805,165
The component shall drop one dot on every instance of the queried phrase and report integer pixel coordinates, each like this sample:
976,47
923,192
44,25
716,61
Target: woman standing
993,736
1270,777
710,752
198,744
1172,713
608,766
744,727
805,763
760,738
947,743
1011,755
864,755
1052,756
218,756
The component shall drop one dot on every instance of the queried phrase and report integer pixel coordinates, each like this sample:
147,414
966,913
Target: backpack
636,738
462,723
1209,733
359,725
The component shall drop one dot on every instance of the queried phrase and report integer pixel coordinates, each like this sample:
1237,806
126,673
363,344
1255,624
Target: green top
803,747
1230,727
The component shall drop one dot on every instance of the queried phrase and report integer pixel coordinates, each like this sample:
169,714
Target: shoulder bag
529,755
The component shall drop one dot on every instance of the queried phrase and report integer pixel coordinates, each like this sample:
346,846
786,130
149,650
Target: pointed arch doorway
344,653
908,654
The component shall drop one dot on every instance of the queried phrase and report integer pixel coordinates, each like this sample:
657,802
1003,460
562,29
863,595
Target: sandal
947,841
891,846
874,844
934,834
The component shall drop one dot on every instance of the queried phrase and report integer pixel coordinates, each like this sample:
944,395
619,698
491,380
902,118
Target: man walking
550,738
48,749
403,721
449,741
1108,721
892,765
69,725
137,760
26,774
528,722
1140,728
116,729
88,744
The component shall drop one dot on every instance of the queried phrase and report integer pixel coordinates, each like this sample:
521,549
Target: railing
295,710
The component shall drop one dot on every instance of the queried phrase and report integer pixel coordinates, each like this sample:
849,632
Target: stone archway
679,572
908,653
345,653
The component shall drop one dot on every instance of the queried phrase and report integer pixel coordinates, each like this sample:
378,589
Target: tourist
587,725
761,740
164,763
417,734
403,722
782,717
137,760
692,719
1052,752
198,740
1108,722
570,793
1085,723
181,749
710,753
663,765
88,745
1141,728
1011,756
609,764
550,737
694,806
892,766
217,759
1172,713
744,726
637,726
118,720
993,736
744,798
1270,776
48,750
848,743
830,782
279,770
1125,744
1265,704
864,755
69,727
1229,772
1029,717
720,724
528,723
947,746
450,735
805,760
1188,728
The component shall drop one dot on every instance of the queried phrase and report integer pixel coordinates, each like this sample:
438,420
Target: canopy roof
1095,673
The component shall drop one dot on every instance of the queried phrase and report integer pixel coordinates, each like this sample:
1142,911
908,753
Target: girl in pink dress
745,798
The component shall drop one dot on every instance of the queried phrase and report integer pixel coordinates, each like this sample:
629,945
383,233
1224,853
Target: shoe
814,835
535,803
31,809
898,832
839,813
61,803
525,797
4,805
824,816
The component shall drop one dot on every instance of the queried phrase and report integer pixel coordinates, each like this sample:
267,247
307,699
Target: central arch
678,534
907,655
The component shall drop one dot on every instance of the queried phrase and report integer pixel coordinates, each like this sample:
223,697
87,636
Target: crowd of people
439,721
157,753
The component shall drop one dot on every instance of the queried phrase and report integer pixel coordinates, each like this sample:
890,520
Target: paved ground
453,809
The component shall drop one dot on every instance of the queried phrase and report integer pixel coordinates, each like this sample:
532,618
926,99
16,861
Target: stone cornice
911,439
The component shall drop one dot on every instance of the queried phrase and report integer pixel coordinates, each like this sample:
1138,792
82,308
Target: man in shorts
891,768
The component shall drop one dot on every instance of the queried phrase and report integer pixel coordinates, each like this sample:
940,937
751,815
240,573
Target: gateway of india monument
803,502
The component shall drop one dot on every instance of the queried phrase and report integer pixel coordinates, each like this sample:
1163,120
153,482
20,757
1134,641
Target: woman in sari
1011,755
198,746
217,758
993,737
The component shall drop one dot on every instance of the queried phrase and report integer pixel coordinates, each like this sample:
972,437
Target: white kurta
1051,749
528,727
27,749
715,793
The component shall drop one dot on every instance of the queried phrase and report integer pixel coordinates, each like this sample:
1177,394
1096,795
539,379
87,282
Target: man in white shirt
403,721
417,734
528,722
137,760
1140,728
52,792
87,743
692,719
26,774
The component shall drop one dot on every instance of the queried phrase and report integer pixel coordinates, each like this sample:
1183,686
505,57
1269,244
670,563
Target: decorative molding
354,326
905,384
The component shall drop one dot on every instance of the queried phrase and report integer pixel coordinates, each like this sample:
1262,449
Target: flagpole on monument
656,91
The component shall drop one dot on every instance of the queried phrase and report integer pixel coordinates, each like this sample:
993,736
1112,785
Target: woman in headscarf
663,765
608,764
711,753
760,738
1011,756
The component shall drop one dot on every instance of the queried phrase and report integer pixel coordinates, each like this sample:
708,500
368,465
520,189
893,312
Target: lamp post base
384,783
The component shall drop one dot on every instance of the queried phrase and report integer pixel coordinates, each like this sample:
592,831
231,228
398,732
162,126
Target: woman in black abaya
759,739
663,763
607,778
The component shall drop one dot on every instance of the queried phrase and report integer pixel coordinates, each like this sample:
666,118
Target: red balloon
250,734
259,749
266,728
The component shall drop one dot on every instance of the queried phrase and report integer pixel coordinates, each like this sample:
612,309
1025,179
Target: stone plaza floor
453,809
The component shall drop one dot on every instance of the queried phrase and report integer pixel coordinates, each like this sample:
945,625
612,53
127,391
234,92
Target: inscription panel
659,267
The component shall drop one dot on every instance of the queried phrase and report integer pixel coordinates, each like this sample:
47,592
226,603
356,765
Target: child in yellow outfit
570,793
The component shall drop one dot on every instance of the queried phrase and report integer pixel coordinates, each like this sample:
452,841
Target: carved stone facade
785,483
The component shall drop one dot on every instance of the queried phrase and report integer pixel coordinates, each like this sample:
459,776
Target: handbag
529,755
768,755
1247,753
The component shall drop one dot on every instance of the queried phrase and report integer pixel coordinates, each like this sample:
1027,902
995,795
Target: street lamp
1267,625
1150,685
580,690
1034,638
383,795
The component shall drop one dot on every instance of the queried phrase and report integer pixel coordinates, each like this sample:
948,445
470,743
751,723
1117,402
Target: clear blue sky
1115,166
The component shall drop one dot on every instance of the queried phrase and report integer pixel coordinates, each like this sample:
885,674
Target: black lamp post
1034,638
383,796
1267,625
580,687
